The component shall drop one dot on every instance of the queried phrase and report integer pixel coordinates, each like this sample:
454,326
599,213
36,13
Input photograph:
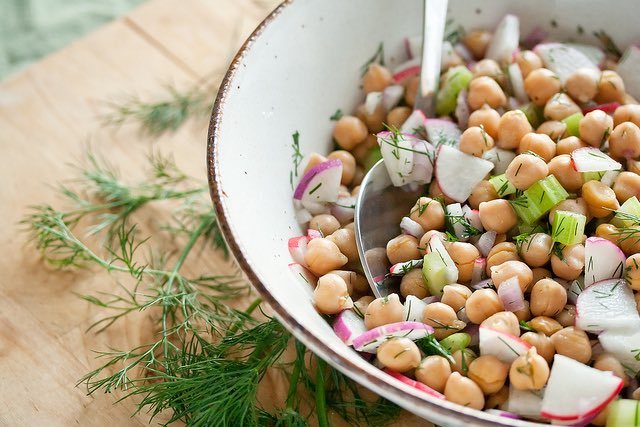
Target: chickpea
411,90
545,325
626,186
413,284
525,170
489,373
539,273
463,255
567,316
498,215
314,159
362,150
500,253
562,168
348,165
331,295
582,84
497,399
487,67
477,42
595,128
627,113
629,240
349,132
475,141
608,231
554,129
528,61
483,192
356,283
399,354
536,250
633,271
384,310
345,240
402,248
323,255
462,359
529,371
541,84
538,143
524,314
600,199
624,141
633,166
512,127
426,238
560,106
324,223
485,90
542,344
571,264
443,320
376,78
482,304
578,206
434,371
455,296
487,118
504,321
374,120
360,305
509,269
607,362
436,192
572,342
463,391
397,116
610,88
601,419
429,213
569,144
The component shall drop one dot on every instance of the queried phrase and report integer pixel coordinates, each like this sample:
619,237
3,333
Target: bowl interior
300,66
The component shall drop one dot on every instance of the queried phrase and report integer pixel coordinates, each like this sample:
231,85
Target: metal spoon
380,206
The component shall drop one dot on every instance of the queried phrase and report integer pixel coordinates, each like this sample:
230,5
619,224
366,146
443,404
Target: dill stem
321,401
255,304
293,385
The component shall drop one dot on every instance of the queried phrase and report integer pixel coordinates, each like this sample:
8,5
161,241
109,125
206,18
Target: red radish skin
369,341
603,260
298,247
504,346
591,159
407,69
608,108
415,384
348,325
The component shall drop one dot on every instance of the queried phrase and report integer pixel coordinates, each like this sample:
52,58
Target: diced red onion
478,273
511,295
344,209
429,300
474,331
483,284
409,226
486,241
608,108
465,53
462,315
536,36
462,109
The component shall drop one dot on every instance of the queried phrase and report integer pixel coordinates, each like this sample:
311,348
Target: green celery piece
573,124
457,79
502,185
630,206
592,176
434,273
538,199
623,413
371,158
531,228
568,227
457,341
534,114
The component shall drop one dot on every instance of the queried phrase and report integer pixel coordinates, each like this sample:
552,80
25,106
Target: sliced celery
592,176
457,341
502,185
534,114
623,413
457,79
627,213
568,227
573,124
434,273
538,199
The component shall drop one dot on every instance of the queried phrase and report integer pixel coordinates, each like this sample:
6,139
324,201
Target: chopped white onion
486,241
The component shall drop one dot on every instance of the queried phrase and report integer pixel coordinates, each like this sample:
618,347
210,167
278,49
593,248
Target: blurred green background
30,29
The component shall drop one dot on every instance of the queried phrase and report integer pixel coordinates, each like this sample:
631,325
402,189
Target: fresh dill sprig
607,43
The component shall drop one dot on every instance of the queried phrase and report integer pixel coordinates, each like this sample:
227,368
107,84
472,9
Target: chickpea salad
519,267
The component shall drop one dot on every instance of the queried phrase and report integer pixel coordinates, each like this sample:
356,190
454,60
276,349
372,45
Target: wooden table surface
49,113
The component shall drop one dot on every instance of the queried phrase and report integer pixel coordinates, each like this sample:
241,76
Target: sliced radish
590,159
609,108
628,69
297,248
306,278
344,209
454,217
303,216
410,227
440,131
500,159
501,345
415,384
397,152
603,259
563,59
391,96
517,83
312,233
525,402
462,111
510,294
413,309
320,184
423,156
372,102
505,40
608,304
594,53
575,289
458,173
413,46
473,217
348,325
625,346
369,341
407,69
575,392
485,242
414,124
479,271
402,268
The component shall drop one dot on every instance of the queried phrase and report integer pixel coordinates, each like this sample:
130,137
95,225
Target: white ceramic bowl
299,66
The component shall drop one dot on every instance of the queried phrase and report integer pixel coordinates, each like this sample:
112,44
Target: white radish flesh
575,289
563,59
517,83
505,40
594,53
473,217
440,131
603,259
607,305
628,70
410,227
525,402
372,102
320,184
454,216
369,341
423,155
348,325
414,124
413,309
391,96
500,159
624,344
511,295
505,347
397,152
402,268
590,159
458,173
306,278
297,248
344,209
